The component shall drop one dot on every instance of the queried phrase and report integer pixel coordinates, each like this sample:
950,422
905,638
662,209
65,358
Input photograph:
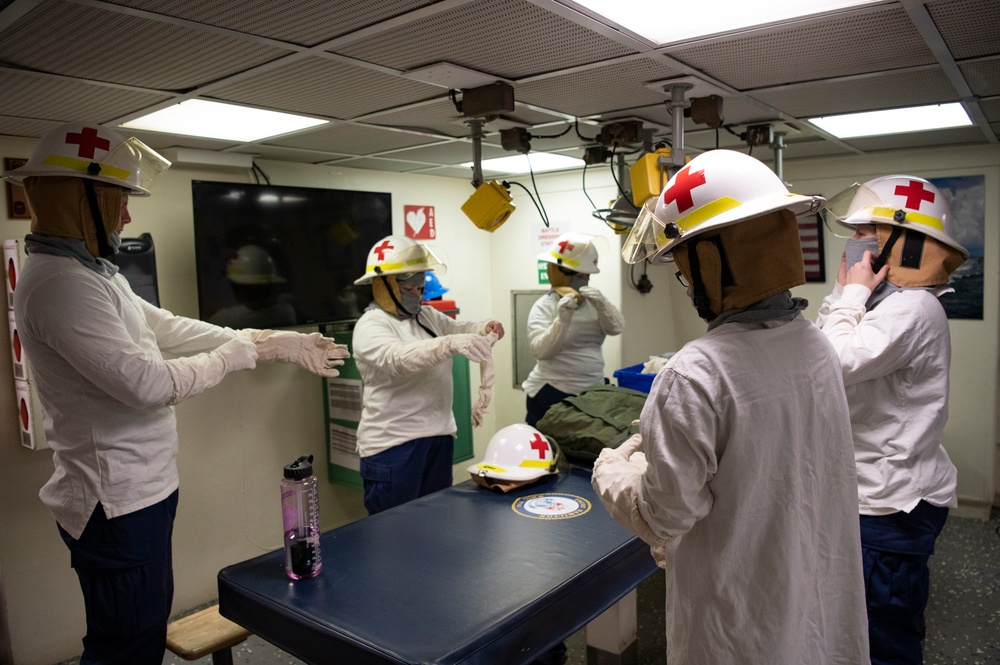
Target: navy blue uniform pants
895,549
407,471
125,569
537,406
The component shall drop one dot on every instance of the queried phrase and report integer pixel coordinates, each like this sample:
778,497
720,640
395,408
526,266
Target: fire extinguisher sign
420,223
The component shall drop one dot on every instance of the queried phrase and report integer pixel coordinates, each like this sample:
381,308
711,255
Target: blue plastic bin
632,377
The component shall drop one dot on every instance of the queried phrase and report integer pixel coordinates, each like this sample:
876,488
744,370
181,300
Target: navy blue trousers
537,406
125,567
407,471
895,549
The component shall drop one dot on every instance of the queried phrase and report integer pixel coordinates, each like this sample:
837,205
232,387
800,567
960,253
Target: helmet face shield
646,236
840,206
146,164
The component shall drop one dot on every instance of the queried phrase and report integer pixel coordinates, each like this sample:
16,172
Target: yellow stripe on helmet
701,215
83,165
914,217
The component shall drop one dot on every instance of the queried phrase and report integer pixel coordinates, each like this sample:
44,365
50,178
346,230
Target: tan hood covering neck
929,265
59,208
747,262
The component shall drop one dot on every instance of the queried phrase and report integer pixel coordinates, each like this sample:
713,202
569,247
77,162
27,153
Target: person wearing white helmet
96,352
257,287
742,477
567,326
891,336
403,351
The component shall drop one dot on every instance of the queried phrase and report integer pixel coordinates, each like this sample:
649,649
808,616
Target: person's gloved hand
567,305
617,474
313,351
473,346
239,353
608,316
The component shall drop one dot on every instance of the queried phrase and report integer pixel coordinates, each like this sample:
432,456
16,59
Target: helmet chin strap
103,248
399,307
897,231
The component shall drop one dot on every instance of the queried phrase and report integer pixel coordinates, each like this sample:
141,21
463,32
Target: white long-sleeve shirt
406,373
895,361
94,348
573,360
751,483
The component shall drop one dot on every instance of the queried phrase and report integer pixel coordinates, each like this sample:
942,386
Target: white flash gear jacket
406,373
895,359
568,356
95,352
751,484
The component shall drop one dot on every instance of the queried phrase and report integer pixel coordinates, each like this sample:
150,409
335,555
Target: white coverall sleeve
824,307
679,430
313,351
181,335
869,344
195,374
548,322
608,317
380,346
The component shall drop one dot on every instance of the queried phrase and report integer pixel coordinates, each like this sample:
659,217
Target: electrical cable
545,215
508,183
257,169
576,123
552,136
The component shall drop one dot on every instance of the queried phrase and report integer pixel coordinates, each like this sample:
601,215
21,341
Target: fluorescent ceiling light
655,21
894,121
539,162
214,120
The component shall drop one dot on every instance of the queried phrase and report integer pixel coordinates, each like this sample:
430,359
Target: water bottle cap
300,468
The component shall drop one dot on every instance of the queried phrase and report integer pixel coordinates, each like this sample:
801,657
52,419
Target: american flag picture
811,236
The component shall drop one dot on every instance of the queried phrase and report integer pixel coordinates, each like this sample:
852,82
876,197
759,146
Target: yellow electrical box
649,176
489,206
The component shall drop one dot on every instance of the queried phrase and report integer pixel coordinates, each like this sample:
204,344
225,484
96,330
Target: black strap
884,254
400,308
103,248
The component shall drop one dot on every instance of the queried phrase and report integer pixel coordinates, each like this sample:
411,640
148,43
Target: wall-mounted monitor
272,256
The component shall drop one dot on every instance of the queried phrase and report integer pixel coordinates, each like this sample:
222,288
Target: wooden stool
205,632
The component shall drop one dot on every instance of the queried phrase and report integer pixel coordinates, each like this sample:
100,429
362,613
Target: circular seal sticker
551,506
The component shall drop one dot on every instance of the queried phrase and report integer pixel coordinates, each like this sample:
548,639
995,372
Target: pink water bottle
300,517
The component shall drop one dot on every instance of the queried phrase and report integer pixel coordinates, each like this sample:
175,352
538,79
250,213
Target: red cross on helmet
714,190
93,152
516,455
898,200
399,255
573,251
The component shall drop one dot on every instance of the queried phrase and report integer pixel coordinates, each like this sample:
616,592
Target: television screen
271,256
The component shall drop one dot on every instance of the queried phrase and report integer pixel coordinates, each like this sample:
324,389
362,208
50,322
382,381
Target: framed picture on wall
17,200
811,237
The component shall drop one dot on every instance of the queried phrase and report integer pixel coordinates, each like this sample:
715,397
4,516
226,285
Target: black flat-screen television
273,257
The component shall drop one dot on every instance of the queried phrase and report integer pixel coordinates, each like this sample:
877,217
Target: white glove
473,346
617,474
567,305
314,351
195,374
608,317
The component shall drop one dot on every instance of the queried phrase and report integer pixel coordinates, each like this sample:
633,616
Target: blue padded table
463,575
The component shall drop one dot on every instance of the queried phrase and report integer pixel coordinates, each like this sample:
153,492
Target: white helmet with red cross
901,200
714,190
398,255
573,251
516,455
93,152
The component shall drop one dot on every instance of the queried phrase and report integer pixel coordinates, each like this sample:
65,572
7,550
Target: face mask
578,280
854,250
411,301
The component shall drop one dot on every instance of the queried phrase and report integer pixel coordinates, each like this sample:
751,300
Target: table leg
611,637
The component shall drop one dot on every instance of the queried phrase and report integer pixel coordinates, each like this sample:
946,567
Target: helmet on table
516,455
